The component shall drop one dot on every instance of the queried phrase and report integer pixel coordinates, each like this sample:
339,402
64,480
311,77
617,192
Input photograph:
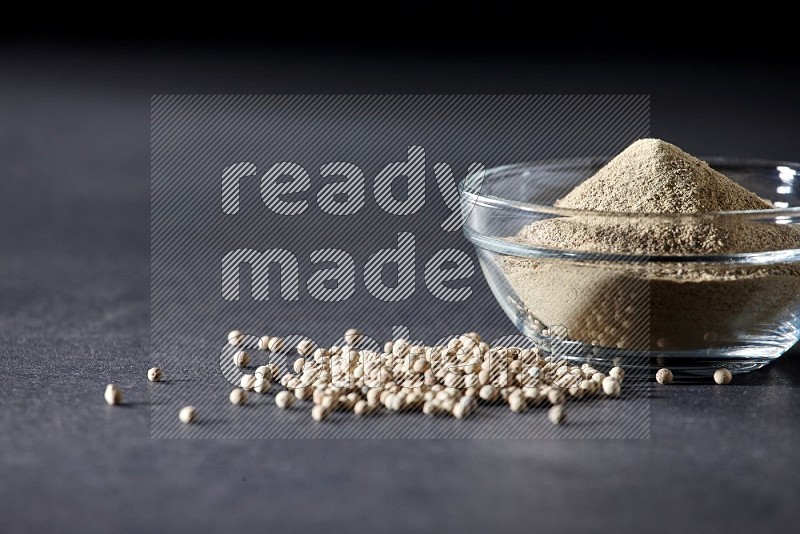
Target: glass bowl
641,300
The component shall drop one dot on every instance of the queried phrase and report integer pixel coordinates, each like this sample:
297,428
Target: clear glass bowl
636,301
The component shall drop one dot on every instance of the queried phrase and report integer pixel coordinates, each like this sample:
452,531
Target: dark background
74,283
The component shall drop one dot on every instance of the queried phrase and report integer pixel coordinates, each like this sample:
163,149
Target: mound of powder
653,176
662,306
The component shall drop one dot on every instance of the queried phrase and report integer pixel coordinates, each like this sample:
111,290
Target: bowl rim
469,195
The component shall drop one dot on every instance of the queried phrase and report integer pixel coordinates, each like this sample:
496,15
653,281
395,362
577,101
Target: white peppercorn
238,396
372,397
447,405
516,403
561,371
471,380
235,338
274,369
154,374
241,359
611,386
265,372
532,394
275,344
352,336
451,380
484,377
187,414
305,347
263,343
618,373
320,356
598,378
722,376
588,386
476,337
328,401
557,414
421,365
461,410
664,376
248,382
555,396
361,407
113,395
262,385
487,392
318,413
284,399
298,364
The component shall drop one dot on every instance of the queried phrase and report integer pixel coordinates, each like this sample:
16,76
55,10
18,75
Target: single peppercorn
113,395
235,338
664,376
557,414
238,396
722,376
284,399
241,359
187,414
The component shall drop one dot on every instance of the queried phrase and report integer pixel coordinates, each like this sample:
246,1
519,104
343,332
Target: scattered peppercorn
235,338
611,386
238,396
722,376
248,382
113,395
284,399
154,374
187,414
557,414
241,359
664,376
353,336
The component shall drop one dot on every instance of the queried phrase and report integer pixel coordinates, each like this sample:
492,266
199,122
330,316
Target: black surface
74,304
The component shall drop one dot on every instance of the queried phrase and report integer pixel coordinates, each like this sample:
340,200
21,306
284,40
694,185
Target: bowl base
685,364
